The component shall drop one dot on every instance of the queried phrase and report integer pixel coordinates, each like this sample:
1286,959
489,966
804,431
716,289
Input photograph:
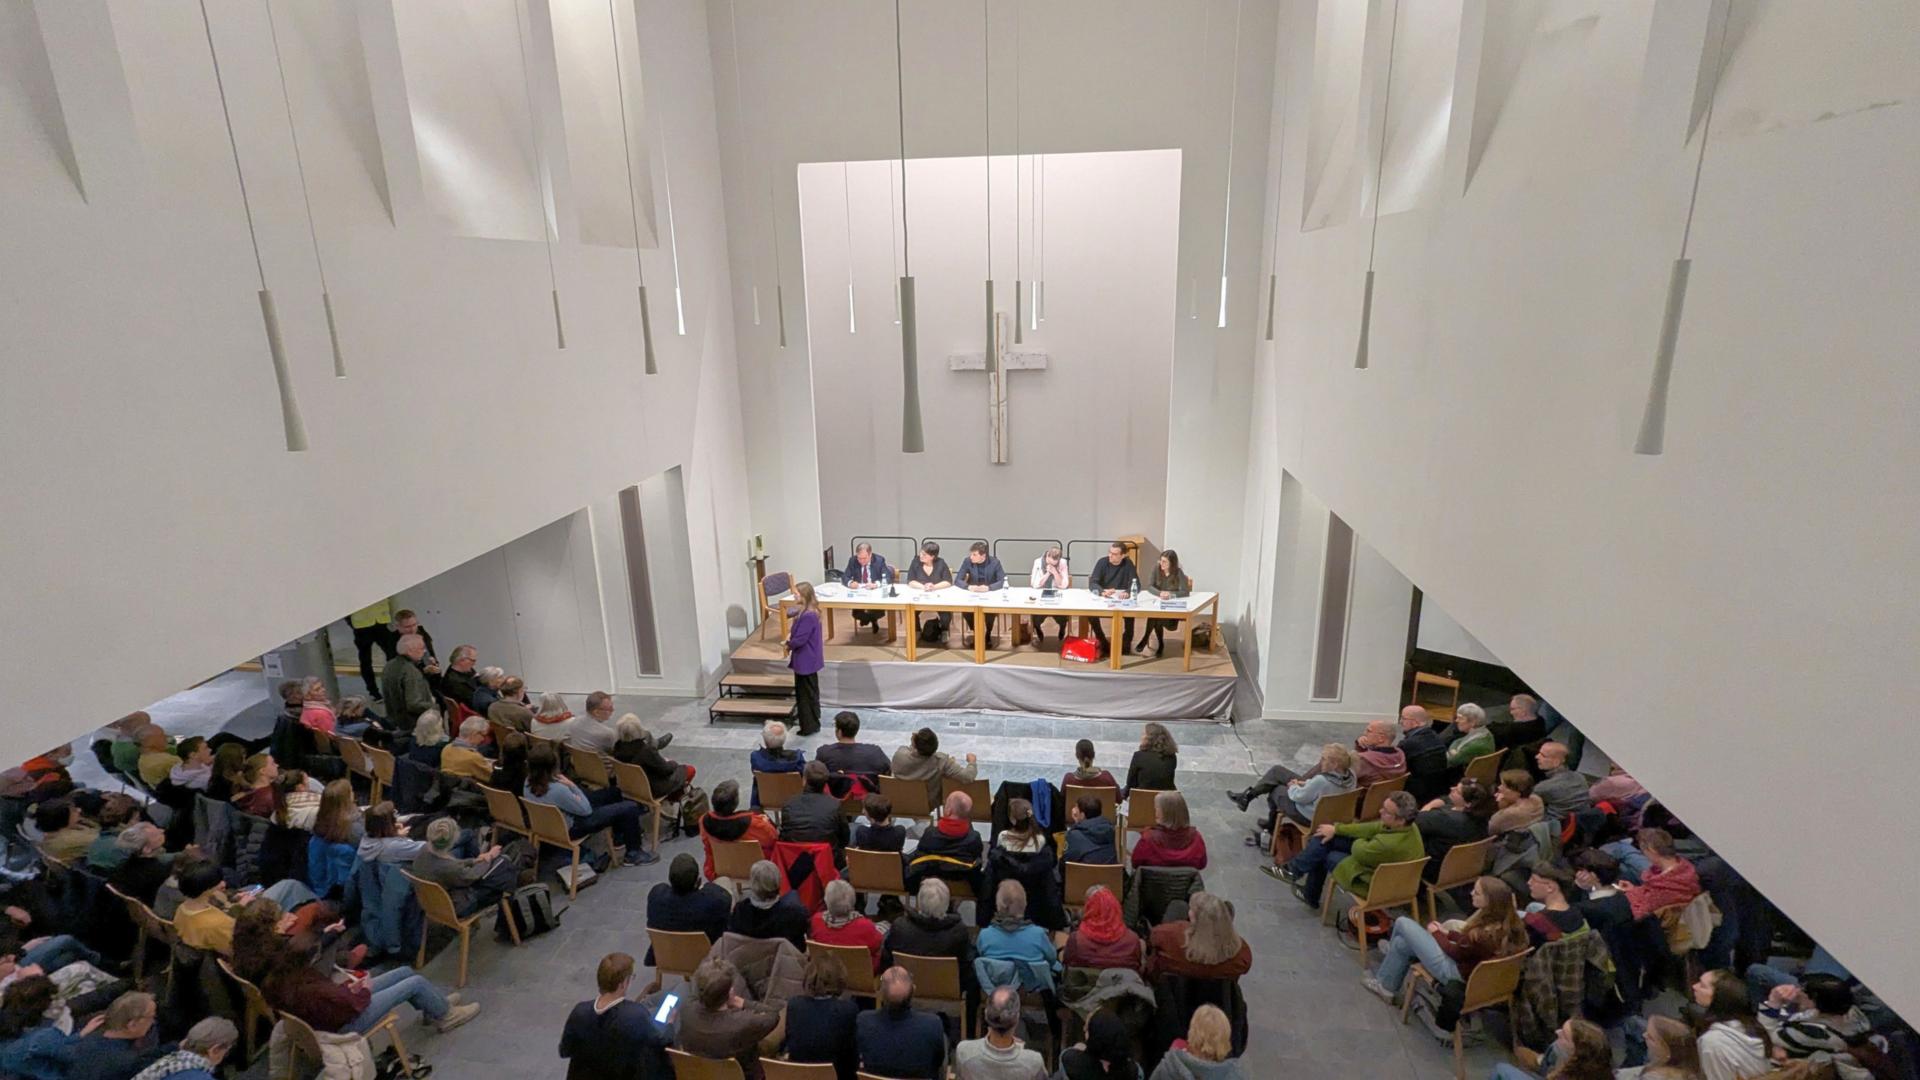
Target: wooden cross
1009,360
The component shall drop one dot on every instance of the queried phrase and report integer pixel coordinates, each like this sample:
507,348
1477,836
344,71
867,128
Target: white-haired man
404,686
772,755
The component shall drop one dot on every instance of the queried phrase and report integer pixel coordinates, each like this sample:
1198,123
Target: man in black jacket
931,930
848,756
951,849
1090,837
813,816
1418,734
683,903
1113,577
611,1037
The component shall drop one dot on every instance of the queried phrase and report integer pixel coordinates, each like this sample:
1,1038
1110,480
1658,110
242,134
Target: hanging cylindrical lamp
1363,348
913,439
846,203
740,103
548,224
986,98
1040,246
293,428
1233,109
649,365
326,295
1019,285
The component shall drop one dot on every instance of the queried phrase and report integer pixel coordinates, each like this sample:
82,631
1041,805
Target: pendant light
1040,248
893,230
1200,64
548,225
913,440
326,297
1379,173
986,98
846,201
673,236
740,103
1019,286
293,428
1652,439
773,203
1273,268
1233,110
633,204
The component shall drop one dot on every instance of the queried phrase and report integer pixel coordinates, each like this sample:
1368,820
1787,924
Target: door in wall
550,580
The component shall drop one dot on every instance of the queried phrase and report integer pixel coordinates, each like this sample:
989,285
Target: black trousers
364,639
806,692
1100,632
1040,621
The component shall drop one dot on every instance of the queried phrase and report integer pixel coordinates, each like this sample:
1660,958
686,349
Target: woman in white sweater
1733,1046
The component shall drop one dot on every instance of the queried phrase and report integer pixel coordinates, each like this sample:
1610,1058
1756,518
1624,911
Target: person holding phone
1050,571
613,1037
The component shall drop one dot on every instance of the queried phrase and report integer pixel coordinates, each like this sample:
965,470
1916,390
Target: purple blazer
809,649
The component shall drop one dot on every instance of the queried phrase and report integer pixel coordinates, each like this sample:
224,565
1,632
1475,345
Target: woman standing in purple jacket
806,655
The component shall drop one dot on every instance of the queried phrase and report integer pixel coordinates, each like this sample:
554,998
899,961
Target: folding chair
1084,876
506,811
1109,797
857,960
150,927
776,788
677,952
774,584
1140,814
549,826
936,981
354,753
776,1069
909,798
1463,864
633,783
437,904
688,1067
1491,984
1485,768
734,859
382,762
976,790
1395,884
881,872
589,768
1330,810
1377,793
256,1009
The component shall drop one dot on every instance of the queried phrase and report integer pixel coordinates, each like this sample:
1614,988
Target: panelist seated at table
981,573
1168,582
1114,578
929,574
866,570
1050,571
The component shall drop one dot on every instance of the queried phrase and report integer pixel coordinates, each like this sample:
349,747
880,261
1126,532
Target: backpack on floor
531,908
693,807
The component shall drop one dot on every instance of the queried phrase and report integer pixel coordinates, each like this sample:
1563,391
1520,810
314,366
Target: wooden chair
1109,797
1449,689
589,768
437,904
1140,815
633,783
776,788
881,872
322,741
506,811
1377,793
688,1067
677,952
499,729
382,762
858,962
150,927
354,753
976,790
1084,876
1485,768
909,798
776,1069
936,981
1395,884
307,1045
772,585
1492,984
1464,863
735,858
1330,810
256,1009
549,826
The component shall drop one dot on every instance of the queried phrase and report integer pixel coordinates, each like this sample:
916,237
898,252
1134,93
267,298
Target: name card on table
1177,604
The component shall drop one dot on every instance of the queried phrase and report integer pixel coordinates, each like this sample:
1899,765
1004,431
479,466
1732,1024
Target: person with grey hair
633,745
553,720
1350,853
199,1055
119,1046
840,923
1418,733
146,864
486,688
762,912
429,738
461,680
472,884
1001,1055
1012,936
929,929
772,755
719,1023
404,686
1472,737
467,755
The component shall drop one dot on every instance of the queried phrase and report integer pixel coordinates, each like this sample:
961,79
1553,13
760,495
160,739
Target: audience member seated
685,904
1350,852
67,833
145,864
1090,834
847,756
1011,936
512,707
1205,1054
1817,1019
667,779
1673,1053
1156,761
553,720
1524,724
1449,951
1667,881
1022,834
474,884
31,1045
1171,840
929,928
897,1040
772,756
1580,1051
486,689
195,770
120,1046
1519,806
586,813
80,985
725,821
612,1037
719,1023
255,793
813,816
226,774
1000,1055
763,912
343,1002
461,680
1554,917
1204,945
1563,791
466,756
820,1019
1418,733
128,733
1459,818
1102,940
1733,1045
429,739
339,819
204,919
155,760
1472,737
951,849
1086,774
1375,756
878,832
356,720
199,1055
1297,797
317,713
1106,1054
595,731
839,923
510,771
1617,788
118,810
386,839
923,760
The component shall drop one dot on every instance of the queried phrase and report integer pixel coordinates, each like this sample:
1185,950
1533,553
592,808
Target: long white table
1023,604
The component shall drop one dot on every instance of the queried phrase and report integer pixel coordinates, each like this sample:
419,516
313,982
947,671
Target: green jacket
1468,747
1373,845
404,688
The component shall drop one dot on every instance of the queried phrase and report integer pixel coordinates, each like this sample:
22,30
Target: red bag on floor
1085,650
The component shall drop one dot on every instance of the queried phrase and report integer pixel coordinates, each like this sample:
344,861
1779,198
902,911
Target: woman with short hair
1011,936
553,720
429,738
634,746
1205,1054
838,922
1472,738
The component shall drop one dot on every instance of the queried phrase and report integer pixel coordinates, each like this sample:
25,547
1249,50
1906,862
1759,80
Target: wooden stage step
776,683
751,708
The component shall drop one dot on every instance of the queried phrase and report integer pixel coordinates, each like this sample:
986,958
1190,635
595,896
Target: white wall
1699,613
157,531
1088,435
1440,633
818,83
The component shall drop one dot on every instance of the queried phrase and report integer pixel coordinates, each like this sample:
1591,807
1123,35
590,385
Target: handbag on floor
1080,649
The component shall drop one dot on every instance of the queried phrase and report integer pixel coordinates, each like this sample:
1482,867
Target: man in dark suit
1418,734
867,570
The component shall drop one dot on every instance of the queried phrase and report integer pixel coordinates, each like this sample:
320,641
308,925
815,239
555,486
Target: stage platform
865,671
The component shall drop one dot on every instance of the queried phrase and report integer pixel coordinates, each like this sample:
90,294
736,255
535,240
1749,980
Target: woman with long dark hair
806,655
1493,931
586,813
1166,582
1733,1045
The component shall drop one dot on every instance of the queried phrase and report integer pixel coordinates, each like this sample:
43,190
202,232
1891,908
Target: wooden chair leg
573,876
506,914
1459,1053
392,1027
420,960
1360,931
466,943
139,954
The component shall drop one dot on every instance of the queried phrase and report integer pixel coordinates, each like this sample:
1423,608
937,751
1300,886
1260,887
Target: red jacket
745,825
1657,890
816,858
860,931
1166,847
